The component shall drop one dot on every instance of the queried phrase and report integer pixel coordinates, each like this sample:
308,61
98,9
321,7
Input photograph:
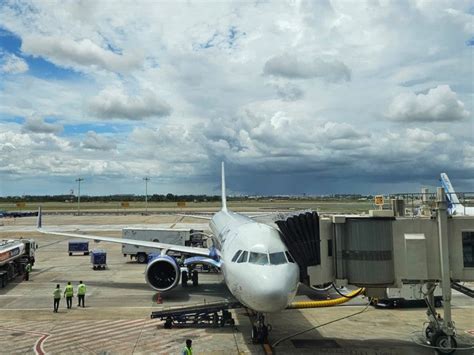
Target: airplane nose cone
275,290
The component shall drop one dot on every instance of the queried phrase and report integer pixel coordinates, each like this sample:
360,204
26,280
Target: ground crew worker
57,298
27,271
69,293
81,294
188,348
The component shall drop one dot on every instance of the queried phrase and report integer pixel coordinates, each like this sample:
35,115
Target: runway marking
38,347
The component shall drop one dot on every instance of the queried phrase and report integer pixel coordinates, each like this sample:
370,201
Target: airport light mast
146,193
78,180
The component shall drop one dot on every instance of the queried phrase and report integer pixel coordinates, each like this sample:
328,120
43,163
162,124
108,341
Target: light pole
78,180
146,193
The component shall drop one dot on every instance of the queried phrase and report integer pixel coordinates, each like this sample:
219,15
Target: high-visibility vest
69,291
57,293
187,351
28,268
81,289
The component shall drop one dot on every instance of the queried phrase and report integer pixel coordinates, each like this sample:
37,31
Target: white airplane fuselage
263,288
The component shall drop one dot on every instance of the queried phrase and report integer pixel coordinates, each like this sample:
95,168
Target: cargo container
78,246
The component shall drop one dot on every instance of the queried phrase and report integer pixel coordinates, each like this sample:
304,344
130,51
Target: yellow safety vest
81,289
57,293
187,351
69,291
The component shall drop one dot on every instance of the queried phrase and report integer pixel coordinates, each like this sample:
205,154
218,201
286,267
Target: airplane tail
224,199
453,199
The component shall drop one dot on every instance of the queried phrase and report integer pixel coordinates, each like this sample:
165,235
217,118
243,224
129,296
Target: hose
326,303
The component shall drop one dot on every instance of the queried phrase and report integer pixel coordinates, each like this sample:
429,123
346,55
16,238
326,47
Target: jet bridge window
258,258
468,248
236,255
277,258
243,257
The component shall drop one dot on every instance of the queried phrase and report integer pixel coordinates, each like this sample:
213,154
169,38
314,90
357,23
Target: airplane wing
141,243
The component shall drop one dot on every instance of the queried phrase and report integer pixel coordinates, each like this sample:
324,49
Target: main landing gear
260,330
190,274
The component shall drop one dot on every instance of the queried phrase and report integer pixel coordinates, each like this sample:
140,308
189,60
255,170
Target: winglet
224,199
39,223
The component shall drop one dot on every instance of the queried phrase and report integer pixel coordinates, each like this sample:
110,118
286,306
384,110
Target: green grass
339,206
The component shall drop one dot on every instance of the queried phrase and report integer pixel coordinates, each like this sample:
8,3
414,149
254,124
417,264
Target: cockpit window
289,257
258,258
243,257
236,255
277,258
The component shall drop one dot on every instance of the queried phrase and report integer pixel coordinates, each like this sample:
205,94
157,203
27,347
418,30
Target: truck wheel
141,258
195,278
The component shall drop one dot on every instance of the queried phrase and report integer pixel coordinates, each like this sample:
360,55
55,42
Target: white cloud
114,103
11,64
292,67
82,53
95,141
439,104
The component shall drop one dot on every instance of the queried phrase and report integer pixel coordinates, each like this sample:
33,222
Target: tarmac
116,319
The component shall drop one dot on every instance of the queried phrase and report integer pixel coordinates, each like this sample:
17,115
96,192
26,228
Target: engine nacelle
162,273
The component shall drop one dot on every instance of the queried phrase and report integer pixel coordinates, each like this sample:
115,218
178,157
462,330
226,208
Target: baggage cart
78,246
99,259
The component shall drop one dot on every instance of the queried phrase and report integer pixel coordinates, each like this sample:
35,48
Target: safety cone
159,300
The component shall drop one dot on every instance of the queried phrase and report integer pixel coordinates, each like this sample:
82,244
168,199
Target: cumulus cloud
94,141
11,64
440,104
292,67
69,52
114,103
38,125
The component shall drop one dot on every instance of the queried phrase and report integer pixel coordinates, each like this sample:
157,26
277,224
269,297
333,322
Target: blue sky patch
39,67
74,129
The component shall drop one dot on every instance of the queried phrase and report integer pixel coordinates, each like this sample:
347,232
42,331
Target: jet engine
162,273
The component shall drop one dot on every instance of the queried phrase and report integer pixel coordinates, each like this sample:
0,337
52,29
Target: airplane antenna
224,199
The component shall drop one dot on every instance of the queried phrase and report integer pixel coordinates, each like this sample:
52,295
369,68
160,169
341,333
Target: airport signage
378,199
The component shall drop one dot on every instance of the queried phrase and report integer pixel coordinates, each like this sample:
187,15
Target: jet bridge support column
441,332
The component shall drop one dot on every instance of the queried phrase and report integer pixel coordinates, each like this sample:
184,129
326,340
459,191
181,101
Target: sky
296,97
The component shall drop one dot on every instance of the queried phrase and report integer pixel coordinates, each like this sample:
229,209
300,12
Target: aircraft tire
184,278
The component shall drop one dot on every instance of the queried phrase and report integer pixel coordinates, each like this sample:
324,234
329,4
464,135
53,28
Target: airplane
455,206
257,267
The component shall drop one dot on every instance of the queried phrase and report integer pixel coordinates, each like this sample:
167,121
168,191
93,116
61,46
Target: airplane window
277,258
258,258
243,257
289,257
236,255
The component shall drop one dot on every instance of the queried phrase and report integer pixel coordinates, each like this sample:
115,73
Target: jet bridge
380,250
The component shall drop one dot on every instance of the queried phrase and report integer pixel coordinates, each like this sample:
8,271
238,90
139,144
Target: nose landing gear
260,330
